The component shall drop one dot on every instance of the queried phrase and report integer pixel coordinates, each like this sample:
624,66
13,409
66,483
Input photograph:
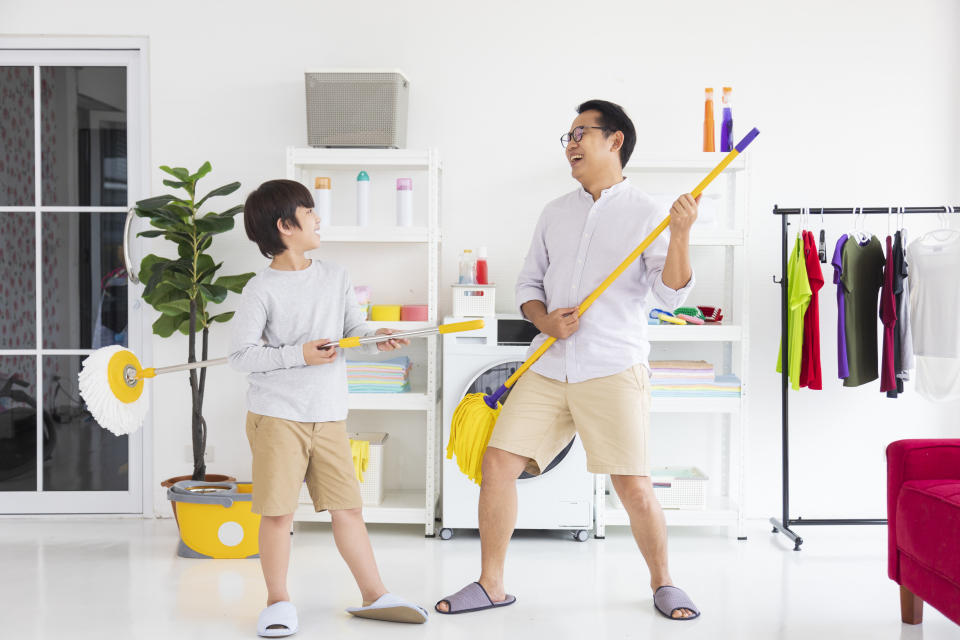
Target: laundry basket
215,519
357,108
474,300
680,487
371,489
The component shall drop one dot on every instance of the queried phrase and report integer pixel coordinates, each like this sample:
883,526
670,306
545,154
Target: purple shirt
843,367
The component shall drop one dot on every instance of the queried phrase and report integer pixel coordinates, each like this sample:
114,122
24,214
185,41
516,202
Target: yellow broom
476,415
112,380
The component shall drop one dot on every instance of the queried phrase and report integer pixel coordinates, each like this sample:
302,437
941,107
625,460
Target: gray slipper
668,599
472,597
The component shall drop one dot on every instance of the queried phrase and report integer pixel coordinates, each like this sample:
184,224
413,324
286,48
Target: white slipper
391,608
283,613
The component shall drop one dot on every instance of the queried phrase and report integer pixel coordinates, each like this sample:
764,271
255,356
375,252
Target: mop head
116,404
473,422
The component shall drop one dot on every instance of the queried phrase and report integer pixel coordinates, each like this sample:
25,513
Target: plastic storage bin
215,519
357,109
474,300
680,487
371,489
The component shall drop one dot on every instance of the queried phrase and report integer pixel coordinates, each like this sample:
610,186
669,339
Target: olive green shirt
862,278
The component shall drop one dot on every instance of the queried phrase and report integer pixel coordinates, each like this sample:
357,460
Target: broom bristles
110,413
470,431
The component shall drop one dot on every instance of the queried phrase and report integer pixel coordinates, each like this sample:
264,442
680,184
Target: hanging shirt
810,373
934,261
843,369
798,297
861,278
888,315
899,283
903,313
576,245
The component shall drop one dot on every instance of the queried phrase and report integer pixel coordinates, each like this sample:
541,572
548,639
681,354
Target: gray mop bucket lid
203,492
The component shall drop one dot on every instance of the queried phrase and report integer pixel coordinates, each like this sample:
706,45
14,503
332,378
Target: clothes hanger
822,247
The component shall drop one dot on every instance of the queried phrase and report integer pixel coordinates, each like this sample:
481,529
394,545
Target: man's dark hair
273,200
613,118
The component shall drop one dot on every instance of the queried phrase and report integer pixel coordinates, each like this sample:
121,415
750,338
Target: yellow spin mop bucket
215,519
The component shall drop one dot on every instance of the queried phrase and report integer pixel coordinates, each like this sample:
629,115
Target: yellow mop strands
476,415
111,379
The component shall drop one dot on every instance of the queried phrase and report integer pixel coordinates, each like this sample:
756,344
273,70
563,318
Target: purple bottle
726,127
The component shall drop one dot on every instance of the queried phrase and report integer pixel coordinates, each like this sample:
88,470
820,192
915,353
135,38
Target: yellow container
385,313
215,519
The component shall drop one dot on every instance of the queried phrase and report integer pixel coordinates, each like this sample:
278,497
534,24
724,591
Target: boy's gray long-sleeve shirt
279,312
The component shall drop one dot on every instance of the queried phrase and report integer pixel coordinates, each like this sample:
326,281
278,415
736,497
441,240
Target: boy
284,336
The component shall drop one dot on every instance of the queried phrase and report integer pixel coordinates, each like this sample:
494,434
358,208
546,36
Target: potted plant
182,289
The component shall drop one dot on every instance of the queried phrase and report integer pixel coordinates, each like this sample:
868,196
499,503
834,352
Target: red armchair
923,512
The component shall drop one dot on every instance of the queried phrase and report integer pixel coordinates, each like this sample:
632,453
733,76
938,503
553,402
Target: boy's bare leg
353,542
275,555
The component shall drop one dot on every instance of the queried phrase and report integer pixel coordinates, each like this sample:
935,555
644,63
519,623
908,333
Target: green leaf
214,224
167,292
175,184
234,283
232,211
174,307
226,189
222,317
202,321
206,274
166,325
153,233
146,266
151,204
202,171
176,172
213,293
204,242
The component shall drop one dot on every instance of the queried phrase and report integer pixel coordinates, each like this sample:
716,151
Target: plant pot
210,477
216,519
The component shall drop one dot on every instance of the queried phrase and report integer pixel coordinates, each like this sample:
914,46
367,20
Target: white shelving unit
399,506
730,236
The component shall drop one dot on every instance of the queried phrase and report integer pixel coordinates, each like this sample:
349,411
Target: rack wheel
581,535
446,534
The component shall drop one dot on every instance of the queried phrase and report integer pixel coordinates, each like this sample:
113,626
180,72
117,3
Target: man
595,380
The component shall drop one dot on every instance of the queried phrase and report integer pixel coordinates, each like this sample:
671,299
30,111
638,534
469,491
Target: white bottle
321,200
404,202
363,199
468,268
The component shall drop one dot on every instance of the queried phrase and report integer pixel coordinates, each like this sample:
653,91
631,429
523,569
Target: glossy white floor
97,578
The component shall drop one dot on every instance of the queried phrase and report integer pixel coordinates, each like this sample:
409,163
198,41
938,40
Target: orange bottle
708,134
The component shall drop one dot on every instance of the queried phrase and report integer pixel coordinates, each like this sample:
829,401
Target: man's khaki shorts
287,452
611,415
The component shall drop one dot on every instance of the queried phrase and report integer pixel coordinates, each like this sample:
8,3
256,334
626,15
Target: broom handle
345,343
747,139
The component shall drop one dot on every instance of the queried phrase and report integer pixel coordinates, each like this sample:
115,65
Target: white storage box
474,300
357,108
680,487
371,489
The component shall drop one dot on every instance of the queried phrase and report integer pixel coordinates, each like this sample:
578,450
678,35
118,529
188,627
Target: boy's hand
315,353
560,323
683,214
390,345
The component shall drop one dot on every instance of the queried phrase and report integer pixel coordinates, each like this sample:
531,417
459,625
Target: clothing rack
783,524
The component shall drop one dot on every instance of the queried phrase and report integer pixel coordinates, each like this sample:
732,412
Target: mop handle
345,343
747,139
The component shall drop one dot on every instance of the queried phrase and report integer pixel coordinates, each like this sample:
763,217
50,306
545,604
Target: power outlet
188,454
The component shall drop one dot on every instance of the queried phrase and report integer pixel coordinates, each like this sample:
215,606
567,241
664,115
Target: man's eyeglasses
576,135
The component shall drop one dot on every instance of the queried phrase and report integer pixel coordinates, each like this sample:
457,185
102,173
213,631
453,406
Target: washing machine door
489,380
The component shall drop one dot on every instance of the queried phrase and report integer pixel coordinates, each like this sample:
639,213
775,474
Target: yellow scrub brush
112,380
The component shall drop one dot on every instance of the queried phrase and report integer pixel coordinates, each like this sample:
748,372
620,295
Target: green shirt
862,278
798,299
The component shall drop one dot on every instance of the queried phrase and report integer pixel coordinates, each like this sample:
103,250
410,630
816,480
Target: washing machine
479,362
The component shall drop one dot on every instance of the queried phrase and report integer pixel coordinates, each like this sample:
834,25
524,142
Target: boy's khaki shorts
286,452
611,415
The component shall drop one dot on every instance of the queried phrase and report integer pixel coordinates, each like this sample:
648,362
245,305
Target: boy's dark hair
614,118
273,200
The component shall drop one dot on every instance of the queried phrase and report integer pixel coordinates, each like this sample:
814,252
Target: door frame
132,52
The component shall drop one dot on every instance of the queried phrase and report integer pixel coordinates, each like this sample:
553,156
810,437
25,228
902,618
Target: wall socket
188,454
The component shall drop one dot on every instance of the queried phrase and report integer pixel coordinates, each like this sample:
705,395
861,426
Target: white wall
857,102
